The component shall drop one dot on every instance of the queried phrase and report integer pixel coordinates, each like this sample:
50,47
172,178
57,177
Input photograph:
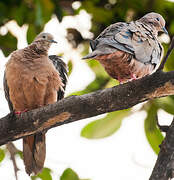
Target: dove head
43,41
156,21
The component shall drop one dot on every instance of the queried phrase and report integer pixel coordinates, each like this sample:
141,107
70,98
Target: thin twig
167,55
13,150
162,128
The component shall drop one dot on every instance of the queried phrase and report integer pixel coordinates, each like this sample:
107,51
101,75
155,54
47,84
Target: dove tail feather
34,151
91,55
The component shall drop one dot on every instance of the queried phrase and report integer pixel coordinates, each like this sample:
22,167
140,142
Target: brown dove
31,80
130,50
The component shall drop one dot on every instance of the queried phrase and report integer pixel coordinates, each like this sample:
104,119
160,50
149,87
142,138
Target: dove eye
44,37
157,19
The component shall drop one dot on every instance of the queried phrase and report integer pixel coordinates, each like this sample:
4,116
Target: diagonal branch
75,108
164,167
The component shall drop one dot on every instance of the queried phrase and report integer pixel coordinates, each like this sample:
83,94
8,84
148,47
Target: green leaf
153,134
166,103
8,43
69,174
70,67
106,126
2,155
44,175
20,153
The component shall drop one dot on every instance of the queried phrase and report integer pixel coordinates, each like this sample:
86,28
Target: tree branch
74,108
164,167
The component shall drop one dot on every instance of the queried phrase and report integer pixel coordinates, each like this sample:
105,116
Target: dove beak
165,30
52,41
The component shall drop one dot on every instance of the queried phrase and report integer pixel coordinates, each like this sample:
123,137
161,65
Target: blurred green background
36,13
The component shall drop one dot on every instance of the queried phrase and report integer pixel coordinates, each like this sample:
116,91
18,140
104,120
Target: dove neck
38,49
148,26
33,52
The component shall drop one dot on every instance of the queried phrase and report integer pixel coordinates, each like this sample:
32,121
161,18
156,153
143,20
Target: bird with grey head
44,41
129,51
155,21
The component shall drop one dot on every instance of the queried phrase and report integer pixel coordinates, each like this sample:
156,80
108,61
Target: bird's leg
133,77
120,80
19,112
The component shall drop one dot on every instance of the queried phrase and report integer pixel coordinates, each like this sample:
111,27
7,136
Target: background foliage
36,13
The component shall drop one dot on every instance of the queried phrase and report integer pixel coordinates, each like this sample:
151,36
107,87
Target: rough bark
164,167
74,108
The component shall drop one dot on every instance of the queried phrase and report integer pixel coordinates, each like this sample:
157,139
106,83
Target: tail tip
89,56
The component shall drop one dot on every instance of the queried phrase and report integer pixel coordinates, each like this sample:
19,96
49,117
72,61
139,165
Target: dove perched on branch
130,50
31,80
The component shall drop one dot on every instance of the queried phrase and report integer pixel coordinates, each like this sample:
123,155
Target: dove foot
121,81
19,112
133,77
